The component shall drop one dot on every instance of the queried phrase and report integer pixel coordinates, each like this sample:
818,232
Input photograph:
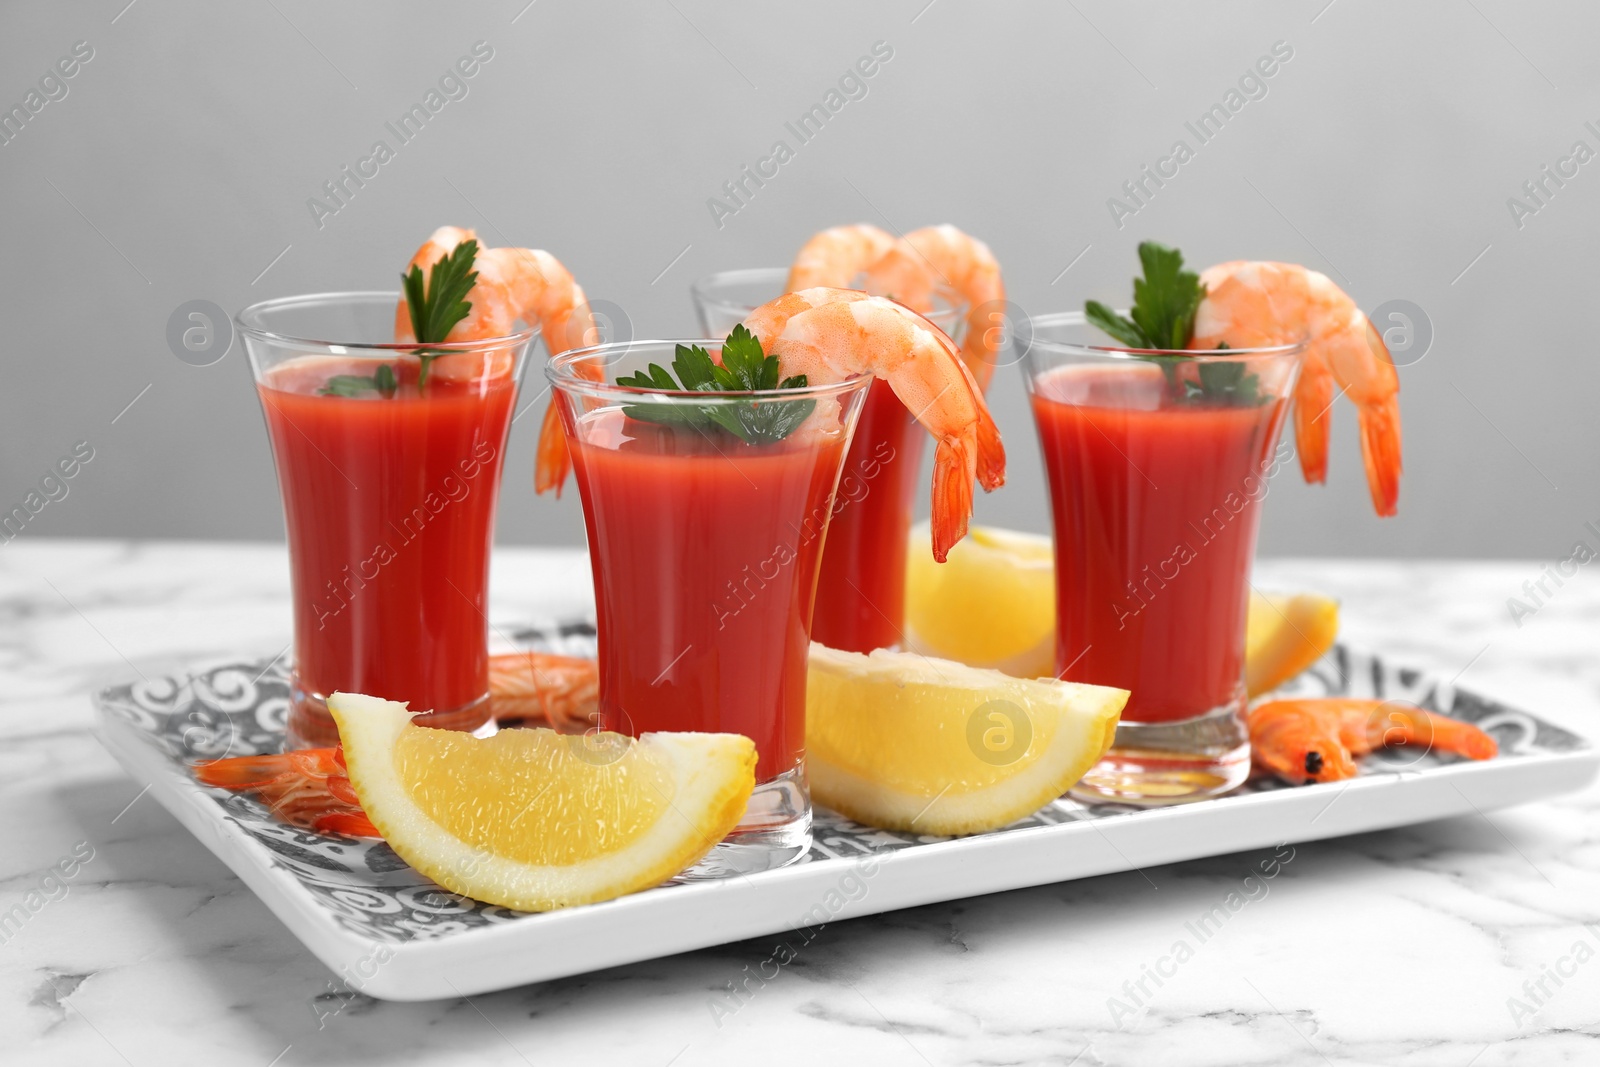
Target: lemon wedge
904,742
1284,636
533,819
991,604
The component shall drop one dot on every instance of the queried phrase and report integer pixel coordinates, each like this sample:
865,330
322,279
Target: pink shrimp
840,257
308,788
908,269
1252,304
561,690
1315,740
967,266
833,334
311,787
513,283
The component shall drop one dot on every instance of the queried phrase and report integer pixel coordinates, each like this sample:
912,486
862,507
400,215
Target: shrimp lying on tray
311,788
563,691
1256,304
833,334
513,283
1316,740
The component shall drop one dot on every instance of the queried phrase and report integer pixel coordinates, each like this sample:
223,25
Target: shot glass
704,546
1157,463
861,590
388,458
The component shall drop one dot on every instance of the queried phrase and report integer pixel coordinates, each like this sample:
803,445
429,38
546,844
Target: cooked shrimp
967,266
513,283
907,269
1314,740
311,787
561,690
1251,304
837,256
833,334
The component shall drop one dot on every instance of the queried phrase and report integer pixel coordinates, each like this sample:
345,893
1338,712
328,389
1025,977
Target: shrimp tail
574,328
1380,451
1387,723
991,452
953,461
1464,739
1313,402
553,460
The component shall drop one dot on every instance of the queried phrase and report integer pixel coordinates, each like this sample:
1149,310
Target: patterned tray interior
240,709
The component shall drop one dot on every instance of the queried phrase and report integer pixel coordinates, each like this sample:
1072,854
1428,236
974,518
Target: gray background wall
179,165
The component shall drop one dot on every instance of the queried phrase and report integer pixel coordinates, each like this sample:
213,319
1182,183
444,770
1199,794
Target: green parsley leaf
381,382
1231,384
742,357
437,306
1167,297
743,368
1124,330
696,370
1165,301
348,385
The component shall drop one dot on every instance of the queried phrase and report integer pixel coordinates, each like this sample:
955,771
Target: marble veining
1469,941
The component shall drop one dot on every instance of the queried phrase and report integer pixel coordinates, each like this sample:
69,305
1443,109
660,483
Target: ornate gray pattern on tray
240,708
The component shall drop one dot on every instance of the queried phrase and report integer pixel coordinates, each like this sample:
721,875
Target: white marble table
1398,947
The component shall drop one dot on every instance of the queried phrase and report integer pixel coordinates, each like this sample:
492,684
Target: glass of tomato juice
389,478
704,545
1157,463
861,590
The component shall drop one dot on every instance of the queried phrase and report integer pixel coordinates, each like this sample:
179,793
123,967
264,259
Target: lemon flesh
1284,636
991,604
904,742
535,820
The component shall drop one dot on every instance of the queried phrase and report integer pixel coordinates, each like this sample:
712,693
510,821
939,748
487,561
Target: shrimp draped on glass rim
830,335
909,269
513,283
1262,304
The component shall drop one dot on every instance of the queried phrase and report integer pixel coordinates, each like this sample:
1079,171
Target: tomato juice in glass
704,550
861,589
1156,487
861,585
389,502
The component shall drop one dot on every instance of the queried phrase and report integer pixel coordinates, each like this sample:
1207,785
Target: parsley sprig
382,382
1165,301
441,303
744,368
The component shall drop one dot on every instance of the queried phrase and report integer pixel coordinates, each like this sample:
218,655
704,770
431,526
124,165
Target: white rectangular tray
391,933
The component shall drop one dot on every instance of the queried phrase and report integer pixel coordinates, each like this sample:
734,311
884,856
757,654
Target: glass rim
1114,351
562,375
249,323
702,290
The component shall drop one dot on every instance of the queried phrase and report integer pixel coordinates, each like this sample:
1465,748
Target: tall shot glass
704,549
389,479
861,590
1157,464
